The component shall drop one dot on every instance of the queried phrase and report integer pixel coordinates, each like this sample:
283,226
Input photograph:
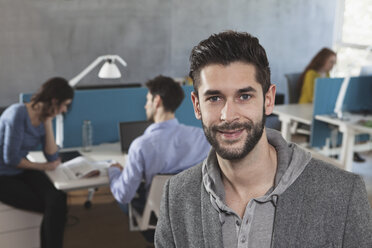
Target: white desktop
103,152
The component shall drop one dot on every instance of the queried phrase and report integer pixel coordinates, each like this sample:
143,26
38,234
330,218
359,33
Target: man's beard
254,134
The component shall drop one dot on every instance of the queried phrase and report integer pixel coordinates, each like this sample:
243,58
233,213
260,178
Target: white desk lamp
108,70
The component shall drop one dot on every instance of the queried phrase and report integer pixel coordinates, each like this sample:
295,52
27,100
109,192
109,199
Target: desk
105,151
288,113
349,127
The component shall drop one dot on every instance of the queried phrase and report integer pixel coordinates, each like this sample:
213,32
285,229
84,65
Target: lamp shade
109,70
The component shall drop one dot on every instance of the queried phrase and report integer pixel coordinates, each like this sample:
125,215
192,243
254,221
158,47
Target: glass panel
357,27
350,60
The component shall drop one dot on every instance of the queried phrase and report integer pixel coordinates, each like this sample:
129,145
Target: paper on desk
81,167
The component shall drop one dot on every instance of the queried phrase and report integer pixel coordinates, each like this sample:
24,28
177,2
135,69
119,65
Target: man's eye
245,97
213,98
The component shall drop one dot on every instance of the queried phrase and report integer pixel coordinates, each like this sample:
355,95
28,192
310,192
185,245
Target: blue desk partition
357,98
105,108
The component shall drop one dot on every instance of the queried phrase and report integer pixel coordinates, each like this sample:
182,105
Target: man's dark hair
169,91
228,47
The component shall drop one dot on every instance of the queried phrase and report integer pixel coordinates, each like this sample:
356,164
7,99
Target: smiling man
254,189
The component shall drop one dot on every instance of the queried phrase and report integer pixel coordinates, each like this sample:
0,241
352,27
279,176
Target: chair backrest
2,110
138,222
293,87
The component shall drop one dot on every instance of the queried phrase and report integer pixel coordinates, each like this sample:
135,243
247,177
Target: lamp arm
118,58
82,74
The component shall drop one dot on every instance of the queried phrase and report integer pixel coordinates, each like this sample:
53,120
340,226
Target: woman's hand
48,120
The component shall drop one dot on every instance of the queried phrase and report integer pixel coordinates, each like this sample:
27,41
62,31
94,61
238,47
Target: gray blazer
324,207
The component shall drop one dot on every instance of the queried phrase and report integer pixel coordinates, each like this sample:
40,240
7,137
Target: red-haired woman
320,66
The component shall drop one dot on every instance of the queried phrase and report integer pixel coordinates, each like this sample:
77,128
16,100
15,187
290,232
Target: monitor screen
366,70
128,131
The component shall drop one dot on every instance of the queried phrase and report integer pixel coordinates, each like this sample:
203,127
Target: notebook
128,131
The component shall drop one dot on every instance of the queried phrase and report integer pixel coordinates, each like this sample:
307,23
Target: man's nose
229,112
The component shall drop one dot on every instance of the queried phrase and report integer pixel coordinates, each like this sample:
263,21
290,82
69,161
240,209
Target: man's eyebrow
247,89
212,92
217,92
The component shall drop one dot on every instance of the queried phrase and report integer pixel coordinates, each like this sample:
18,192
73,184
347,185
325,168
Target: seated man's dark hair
227,47
169,91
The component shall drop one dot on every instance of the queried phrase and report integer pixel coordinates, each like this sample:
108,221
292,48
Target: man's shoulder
187,180
320,174
189,128
143,139
317,166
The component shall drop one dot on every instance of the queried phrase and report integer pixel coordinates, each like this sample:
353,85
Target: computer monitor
366,70
128,131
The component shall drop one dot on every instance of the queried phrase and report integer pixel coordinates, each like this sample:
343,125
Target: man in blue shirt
166,147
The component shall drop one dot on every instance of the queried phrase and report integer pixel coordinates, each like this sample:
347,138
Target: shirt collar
162,125
212,174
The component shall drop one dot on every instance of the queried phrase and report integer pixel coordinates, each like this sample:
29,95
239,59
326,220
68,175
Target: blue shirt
165,148
17,137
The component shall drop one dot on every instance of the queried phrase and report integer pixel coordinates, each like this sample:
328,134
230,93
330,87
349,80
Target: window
353,37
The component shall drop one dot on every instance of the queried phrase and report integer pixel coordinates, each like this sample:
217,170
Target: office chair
2,110
145,221
293,87
294,92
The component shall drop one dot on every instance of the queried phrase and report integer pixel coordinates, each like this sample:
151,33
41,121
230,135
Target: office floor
104,225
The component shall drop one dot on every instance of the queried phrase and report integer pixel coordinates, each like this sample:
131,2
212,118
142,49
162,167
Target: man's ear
270,99
196,105
157,101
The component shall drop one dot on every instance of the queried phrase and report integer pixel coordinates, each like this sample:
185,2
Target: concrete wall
44,38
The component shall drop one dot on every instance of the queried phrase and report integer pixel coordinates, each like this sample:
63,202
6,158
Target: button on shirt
165,148
256,226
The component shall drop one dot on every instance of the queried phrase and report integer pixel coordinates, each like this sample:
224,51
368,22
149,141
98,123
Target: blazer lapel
287,224
212,230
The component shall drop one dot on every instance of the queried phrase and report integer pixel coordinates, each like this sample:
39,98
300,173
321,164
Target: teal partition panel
185,113
359,94
105,108
357,98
